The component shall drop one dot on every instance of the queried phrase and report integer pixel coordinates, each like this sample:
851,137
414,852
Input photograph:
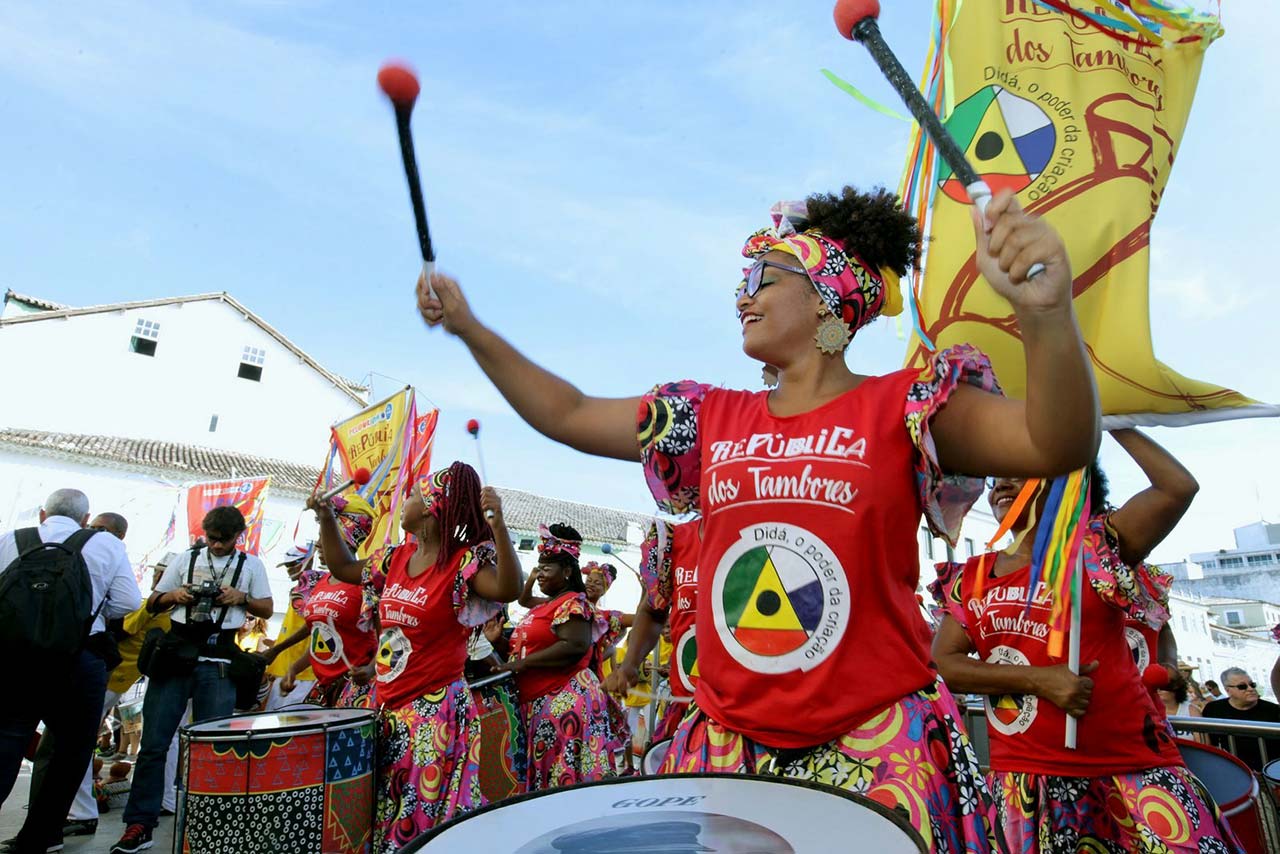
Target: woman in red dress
450,575
812,493
568,738
1125,786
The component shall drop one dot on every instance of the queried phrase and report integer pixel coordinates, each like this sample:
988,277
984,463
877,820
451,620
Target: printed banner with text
248,494
1079,108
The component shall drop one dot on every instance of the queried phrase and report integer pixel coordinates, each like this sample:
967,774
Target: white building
1251,570
198,370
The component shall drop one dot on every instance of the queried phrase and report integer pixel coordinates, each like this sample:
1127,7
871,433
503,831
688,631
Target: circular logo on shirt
686,657
326,646
393,654
1010,714
1138,646
779,599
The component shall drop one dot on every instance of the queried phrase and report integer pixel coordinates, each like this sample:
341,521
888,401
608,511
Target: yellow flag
380,438
1078,107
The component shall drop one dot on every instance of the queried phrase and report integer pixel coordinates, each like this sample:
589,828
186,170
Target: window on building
1259,560
213,423
1234,618
969,549
145,335
1231,561
928,543
1185,627
1210,564
526,544
251,362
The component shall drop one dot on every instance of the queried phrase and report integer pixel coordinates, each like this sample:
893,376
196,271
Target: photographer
210,589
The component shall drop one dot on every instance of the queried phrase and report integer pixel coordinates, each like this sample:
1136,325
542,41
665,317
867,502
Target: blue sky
590,173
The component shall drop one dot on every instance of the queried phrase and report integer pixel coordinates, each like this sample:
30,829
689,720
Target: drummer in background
450,575
342,633
566,718
1125,785
300,564
669,571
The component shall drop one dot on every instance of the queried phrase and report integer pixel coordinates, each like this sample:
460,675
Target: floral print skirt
568,735
1157,811
913,757
429,765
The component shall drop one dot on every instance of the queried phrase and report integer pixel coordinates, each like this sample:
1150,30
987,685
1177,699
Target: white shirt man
67,698
104,555
252,583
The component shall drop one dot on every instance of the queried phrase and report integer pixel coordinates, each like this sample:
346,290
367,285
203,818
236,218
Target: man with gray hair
1242,703
69,699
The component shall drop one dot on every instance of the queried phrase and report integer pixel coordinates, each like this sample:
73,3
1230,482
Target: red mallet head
1156,676
361,476
473,427
848,14
398,82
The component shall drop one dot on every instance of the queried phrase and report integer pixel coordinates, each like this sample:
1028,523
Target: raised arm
500,582
555,408
1056,429
966,675
1148,517
337,557
527,599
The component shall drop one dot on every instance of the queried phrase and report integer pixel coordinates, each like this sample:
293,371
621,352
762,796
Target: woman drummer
568,735
1125,786
342,633
811,494
449,575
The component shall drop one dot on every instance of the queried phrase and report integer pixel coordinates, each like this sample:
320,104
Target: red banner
424,434
248,494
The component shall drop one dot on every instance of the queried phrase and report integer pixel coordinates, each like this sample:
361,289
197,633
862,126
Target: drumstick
400,85
1073,643
473,427
856,20
609,550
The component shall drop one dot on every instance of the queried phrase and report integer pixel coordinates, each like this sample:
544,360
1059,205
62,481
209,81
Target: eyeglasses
1244,686
752,276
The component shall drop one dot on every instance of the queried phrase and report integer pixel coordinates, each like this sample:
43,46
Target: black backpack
46,597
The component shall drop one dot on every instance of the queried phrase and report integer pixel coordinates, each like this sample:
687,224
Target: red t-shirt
534,633
332,610
685,544
426,621
1120,733
810,564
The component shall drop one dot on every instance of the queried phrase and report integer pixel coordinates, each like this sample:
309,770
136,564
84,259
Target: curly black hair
223,521
871,225
1099,488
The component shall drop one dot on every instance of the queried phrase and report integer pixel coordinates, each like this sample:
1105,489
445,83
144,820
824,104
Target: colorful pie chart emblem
1008,139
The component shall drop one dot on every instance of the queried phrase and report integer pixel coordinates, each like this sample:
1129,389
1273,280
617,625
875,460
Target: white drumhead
653,757
267,722
729,814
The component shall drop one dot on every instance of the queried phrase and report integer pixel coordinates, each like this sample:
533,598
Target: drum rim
875,806
191,732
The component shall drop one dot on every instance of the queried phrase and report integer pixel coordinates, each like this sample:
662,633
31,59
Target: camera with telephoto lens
205,595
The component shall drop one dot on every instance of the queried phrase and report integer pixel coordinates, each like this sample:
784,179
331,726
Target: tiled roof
525,511
171,457
34,302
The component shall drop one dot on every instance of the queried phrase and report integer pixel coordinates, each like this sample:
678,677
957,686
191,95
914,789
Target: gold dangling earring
833,334
769,374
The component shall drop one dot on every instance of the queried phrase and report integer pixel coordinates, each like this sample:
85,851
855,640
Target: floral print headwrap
553,545
608,572
355,518
434,489
851,290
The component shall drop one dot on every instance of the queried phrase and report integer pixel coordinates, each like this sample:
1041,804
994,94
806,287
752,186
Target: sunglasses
1244,686
752,276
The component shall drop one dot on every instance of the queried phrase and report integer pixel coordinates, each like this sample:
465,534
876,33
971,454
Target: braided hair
462,522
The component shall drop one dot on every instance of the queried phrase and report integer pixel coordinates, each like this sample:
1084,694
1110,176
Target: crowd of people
794,561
